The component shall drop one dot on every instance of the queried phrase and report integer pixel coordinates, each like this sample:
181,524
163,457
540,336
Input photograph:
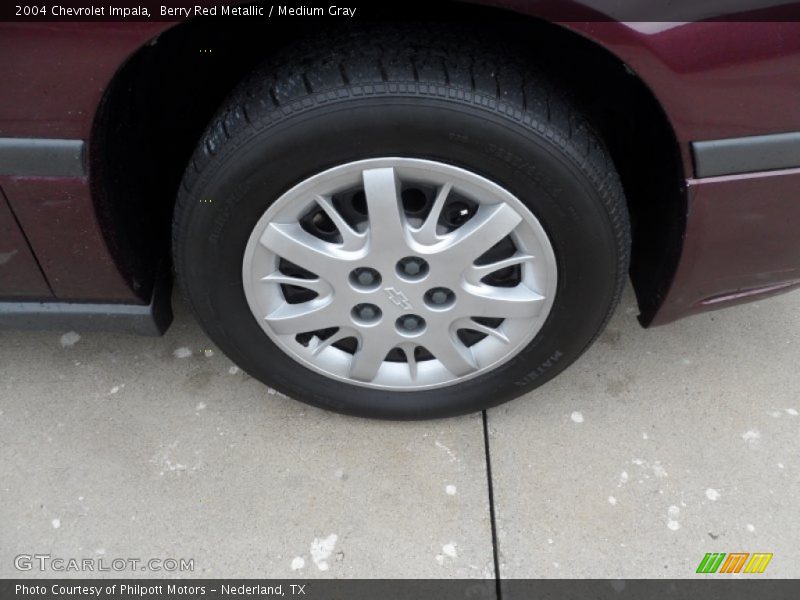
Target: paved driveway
655,448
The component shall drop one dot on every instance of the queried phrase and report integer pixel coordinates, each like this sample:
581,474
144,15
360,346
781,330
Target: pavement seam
492,516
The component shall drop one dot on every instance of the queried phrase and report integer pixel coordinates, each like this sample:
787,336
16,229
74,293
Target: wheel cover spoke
469,323
438,276
351,239
495,302
386,221
320,286
306,250
342,333
454,355
299,318
427,233
478,272
369,357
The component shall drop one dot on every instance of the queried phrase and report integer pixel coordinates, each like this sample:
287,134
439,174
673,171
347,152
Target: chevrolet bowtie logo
398,297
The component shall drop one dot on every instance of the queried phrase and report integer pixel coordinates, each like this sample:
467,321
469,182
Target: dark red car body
68,251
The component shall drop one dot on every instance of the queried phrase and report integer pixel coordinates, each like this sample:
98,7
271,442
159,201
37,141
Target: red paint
713,79
742,241
20,276
58,217
54,74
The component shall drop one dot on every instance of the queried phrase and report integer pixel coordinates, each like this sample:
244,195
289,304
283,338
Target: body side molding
750,154
38,157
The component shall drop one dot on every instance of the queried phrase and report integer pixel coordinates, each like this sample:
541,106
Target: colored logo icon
734,562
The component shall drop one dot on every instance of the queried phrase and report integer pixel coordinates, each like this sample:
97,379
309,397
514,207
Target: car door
20,276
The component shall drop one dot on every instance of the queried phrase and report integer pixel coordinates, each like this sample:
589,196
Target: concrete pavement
116,446
656,447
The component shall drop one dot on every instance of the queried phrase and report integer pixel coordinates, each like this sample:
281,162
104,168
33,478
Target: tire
393,93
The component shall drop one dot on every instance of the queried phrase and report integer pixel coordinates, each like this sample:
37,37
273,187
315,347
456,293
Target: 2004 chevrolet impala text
399,219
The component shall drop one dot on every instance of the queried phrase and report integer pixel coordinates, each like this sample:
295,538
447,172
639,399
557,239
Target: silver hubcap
399,273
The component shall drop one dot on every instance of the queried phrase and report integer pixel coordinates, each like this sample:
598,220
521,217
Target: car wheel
393,229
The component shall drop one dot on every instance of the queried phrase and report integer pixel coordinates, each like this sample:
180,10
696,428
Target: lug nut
410,323
367,313
439,297
412,266
365,277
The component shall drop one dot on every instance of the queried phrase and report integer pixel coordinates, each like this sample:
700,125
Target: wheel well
158,105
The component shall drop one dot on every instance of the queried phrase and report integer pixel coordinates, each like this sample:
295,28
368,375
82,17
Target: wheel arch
158,104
